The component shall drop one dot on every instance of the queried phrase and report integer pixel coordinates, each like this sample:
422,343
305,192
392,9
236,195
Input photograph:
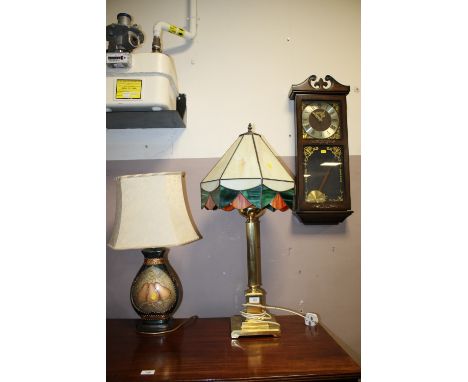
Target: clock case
332,91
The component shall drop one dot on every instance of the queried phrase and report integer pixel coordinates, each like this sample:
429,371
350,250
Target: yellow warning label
176,30
128,89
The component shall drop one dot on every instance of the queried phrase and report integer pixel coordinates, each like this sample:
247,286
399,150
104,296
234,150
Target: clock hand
319,114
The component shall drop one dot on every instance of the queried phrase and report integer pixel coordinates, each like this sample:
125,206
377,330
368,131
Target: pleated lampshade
248,174
152,212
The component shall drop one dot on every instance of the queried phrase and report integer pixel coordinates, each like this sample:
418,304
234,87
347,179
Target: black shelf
149,119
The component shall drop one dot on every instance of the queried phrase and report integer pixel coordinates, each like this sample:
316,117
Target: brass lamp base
241,327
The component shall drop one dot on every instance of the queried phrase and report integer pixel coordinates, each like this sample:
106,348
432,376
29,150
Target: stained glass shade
248,174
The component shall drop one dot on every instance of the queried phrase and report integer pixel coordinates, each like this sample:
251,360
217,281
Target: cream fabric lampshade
152,212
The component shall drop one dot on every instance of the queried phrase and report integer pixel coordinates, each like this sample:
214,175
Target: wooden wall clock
322,158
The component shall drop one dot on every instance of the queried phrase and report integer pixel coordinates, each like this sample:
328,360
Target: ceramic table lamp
152,214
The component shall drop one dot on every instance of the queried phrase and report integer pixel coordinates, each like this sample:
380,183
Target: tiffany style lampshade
152,214
250,178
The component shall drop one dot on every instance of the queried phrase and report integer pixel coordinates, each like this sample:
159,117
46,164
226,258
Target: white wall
239,69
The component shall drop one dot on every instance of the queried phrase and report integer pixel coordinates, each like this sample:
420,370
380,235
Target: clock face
320,119
323,174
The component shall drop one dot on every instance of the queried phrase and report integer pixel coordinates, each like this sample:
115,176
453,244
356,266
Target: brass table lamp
250,178
152,214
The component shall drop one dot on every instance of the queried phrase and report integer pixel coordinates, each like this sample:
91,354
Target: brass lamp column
254,294
250,178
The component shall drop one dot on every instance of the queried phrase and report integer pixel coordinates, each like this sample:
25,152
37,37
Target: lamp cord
173,329
263,317
276,308
310,319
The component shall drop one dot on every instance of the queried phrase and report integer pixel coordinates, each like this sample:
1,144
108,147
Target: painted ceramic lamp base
153,326
156,291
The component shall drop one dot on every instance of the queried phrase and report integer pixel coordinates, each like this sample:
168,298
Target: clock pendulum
317,196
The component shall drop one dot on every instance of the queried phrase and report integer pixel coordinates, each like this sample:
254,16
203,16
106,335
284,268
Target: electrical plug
311,319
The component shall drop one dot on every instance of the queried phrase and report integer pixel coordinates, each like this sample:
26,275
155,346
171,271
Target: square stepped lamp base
243,328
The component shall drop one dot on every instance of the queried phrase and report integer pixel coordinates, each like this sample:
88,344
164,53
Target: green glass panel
260,196
254,195
215,195
225,196
288,197
267,196
204,197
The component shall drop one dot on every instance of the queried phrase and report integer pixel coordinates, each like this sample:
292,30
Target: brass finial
249,127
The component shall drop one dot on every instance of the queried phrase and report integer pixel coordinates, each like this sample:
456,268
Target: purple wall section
313,268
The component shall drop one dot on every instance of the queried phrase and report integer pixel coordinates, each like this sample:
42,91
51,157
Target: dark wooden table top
204,351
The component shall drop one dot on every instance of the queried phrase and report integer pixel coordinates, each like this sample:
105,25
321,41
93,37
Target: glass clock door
323,175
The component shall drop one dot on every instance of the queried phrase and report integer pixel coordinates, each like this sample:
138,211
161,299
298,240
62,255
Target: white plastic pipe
187,34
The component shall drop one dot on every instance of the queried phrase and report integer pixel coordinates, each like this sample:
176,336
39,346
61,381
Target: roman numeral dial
320,120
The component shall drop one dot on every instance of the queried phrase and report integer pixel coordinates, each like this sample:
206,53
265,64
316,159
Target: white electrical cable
276,308
263,317
310,319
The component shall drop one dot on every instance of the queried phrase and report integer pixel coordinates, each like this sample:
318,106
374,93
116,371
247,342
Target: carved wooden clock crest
322,158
